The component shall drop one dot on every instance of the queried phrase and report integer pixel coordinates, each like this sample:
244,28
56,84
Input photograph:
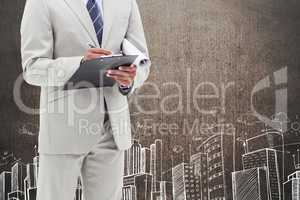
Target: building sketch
186,185
156,164
292,187
132,159
265,152
142,186
200,163
145,160
208,173
129,193
5,185
266,158
219,150
18,173
164,190
269,139
250,184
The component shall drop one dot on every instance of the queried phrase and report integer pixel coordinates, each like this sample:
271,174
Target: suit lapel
108,18
82,14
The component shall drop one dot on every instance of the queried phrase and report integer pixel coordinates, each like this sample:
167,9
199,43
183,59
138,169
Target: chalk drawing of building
250,184
292,187
129,193
219,150
140,186
156,164
200,163
137,181
267,158
5,185
18,173
186,186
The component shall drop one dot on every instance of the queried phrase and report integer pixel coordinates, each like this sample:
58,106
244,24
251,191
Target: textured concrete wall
232,43
229,44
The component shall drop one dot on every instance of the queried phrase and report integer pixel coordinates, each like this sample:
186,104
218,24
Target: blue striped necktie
96,16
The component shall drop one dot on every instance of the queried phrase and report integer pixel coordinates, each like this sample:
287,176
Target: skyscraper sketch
17,181
142,186
219,150
200,163
5,185
145,160
250,184
30,182
156,164
164,190
186,185
269,139
267,158
129,193
132,159
166,186
292,187
137,177
153,166
268,150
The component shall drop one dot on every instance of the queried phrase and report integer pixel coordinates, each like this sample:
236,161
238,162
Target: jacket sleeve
135,35
39,66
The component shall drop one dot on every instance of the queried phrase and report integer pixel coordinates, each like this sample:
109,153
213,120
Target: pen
112,55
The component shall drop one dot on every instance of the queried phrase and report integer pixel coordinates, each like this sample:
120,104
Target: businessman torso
55,35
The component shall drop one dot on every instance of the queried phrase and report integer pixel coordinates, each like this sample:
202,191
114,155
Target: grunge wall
203,47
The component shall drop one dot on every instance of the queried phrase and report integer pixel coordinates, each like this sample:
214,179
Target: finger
100,51
119,73
117,77
120,78
122,81
132,74
93,56
127,69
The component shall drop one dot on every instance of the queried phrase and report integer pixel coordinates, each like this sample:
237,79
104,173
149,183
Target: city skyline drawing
269,170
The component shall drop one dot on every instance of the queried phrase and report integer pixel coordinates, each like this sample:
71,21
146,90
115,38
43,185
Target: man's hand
124,76
93,53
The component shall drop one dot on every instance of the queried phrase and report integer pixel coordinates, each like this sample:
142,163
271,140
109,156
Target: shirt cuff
125,90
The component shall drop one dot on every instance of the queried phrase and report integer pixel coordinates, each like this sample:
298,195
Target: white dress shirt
99,4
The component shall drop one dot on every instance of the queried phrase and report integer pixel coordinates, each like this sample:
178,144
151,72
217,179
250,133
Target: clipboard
92,73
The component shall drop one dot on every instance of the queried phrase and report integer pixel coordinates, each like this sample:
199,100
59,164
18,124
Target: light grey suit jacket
54,37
